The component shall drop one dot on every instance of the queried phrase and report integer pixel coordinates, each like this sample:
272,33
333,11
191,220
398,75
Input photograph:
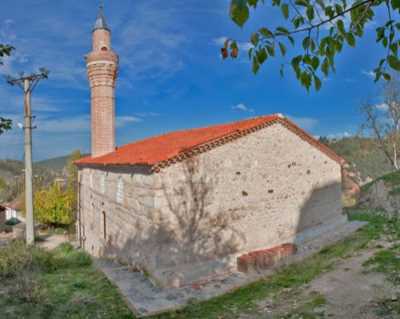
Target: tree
5,124
383,122
54,206
322,28
72,176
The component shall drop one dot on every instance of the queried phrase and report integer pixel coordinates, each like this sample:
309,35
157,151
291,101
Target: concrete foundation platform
145,299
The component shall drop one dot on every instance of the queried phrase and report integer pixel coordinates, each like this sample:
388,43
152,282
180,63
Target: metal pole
30,231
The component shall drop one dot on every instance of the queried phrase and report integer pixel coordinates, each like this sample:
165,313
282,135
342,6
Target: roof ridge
166,149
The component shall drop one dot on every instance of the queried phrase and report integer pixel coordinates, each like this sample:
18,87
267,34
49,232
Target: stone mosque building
189,206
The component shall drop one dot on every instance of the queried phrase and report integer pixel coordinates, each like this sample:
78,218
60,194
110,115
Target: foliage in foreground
64,284
323,28
57,284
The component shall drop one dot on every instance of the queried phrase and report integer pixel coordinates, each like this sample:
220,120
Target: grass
293,276
312,309
58,284
392,180
66,285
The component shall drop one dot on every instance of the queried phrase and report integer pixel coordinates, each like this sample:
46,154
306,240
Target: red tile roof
164,150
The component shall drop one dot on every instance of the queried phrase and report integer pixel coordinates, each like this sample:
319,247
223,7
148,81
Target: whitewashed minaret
102,69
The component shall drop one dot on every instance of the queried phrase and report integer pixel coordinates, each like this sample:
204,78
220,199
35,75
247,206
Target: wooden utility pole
28,83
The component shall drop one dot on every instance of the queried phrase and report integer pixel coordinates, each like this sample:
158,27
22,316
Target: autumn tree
54,206
315,32
72,176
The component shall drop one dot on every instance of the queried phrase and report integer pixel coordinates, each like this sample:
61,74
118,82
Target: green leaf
254,38
239,12
252,3
262,56
303,3
285,10
394,62
310,13
395,4
271,50
282,30
306,80
325,67
315,62
266,32
282,48
340,26
386,76
380,33
298,21
306,42
317,83
351,40
256,66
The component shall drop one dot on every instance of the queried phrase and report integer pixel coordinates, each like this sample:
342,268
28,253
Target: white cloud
242,107
382,107
124,120
80,123
152,44
370,74
306,123
339,135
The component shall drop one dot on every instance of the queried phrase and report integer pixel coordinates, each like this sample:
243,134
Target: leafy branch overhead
5,125
5,50
322,28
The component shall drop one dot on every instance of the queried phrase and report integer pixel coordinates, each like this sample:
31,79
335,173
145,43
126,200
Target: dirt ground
348,291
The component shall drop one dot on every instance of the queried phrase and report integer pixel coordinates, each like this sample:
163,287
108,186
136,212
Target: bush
27,288
16,258
68,257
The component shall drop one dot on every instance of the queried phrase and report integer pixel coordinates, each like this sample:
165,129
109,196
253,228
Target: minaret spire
101,20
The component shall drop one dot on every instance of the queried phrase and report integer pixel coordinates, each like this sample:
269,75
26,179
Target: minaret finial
101,20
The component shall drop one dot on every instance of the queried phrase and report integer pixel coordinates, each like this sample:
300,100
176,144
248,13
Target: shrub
27,288
16,258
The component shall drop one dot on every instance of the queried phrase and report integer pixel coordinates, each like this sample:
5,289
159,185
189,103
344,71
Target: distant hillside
10,168
56,163
364,154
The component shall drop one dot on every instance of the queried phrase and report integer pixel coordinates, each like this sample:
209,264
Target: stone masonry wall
122,198
266,188
193,219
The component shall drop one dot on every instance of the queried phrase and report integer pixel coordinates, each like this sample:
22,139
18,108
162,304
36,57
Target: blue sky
171,75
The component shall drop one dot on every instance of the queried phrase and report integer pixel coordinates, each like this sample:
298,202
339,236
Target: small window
104,225
120,190
104,49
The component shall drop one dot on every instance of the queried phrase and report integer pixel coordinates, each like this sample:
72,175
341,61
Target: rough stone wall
266,188
193,219
124,208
